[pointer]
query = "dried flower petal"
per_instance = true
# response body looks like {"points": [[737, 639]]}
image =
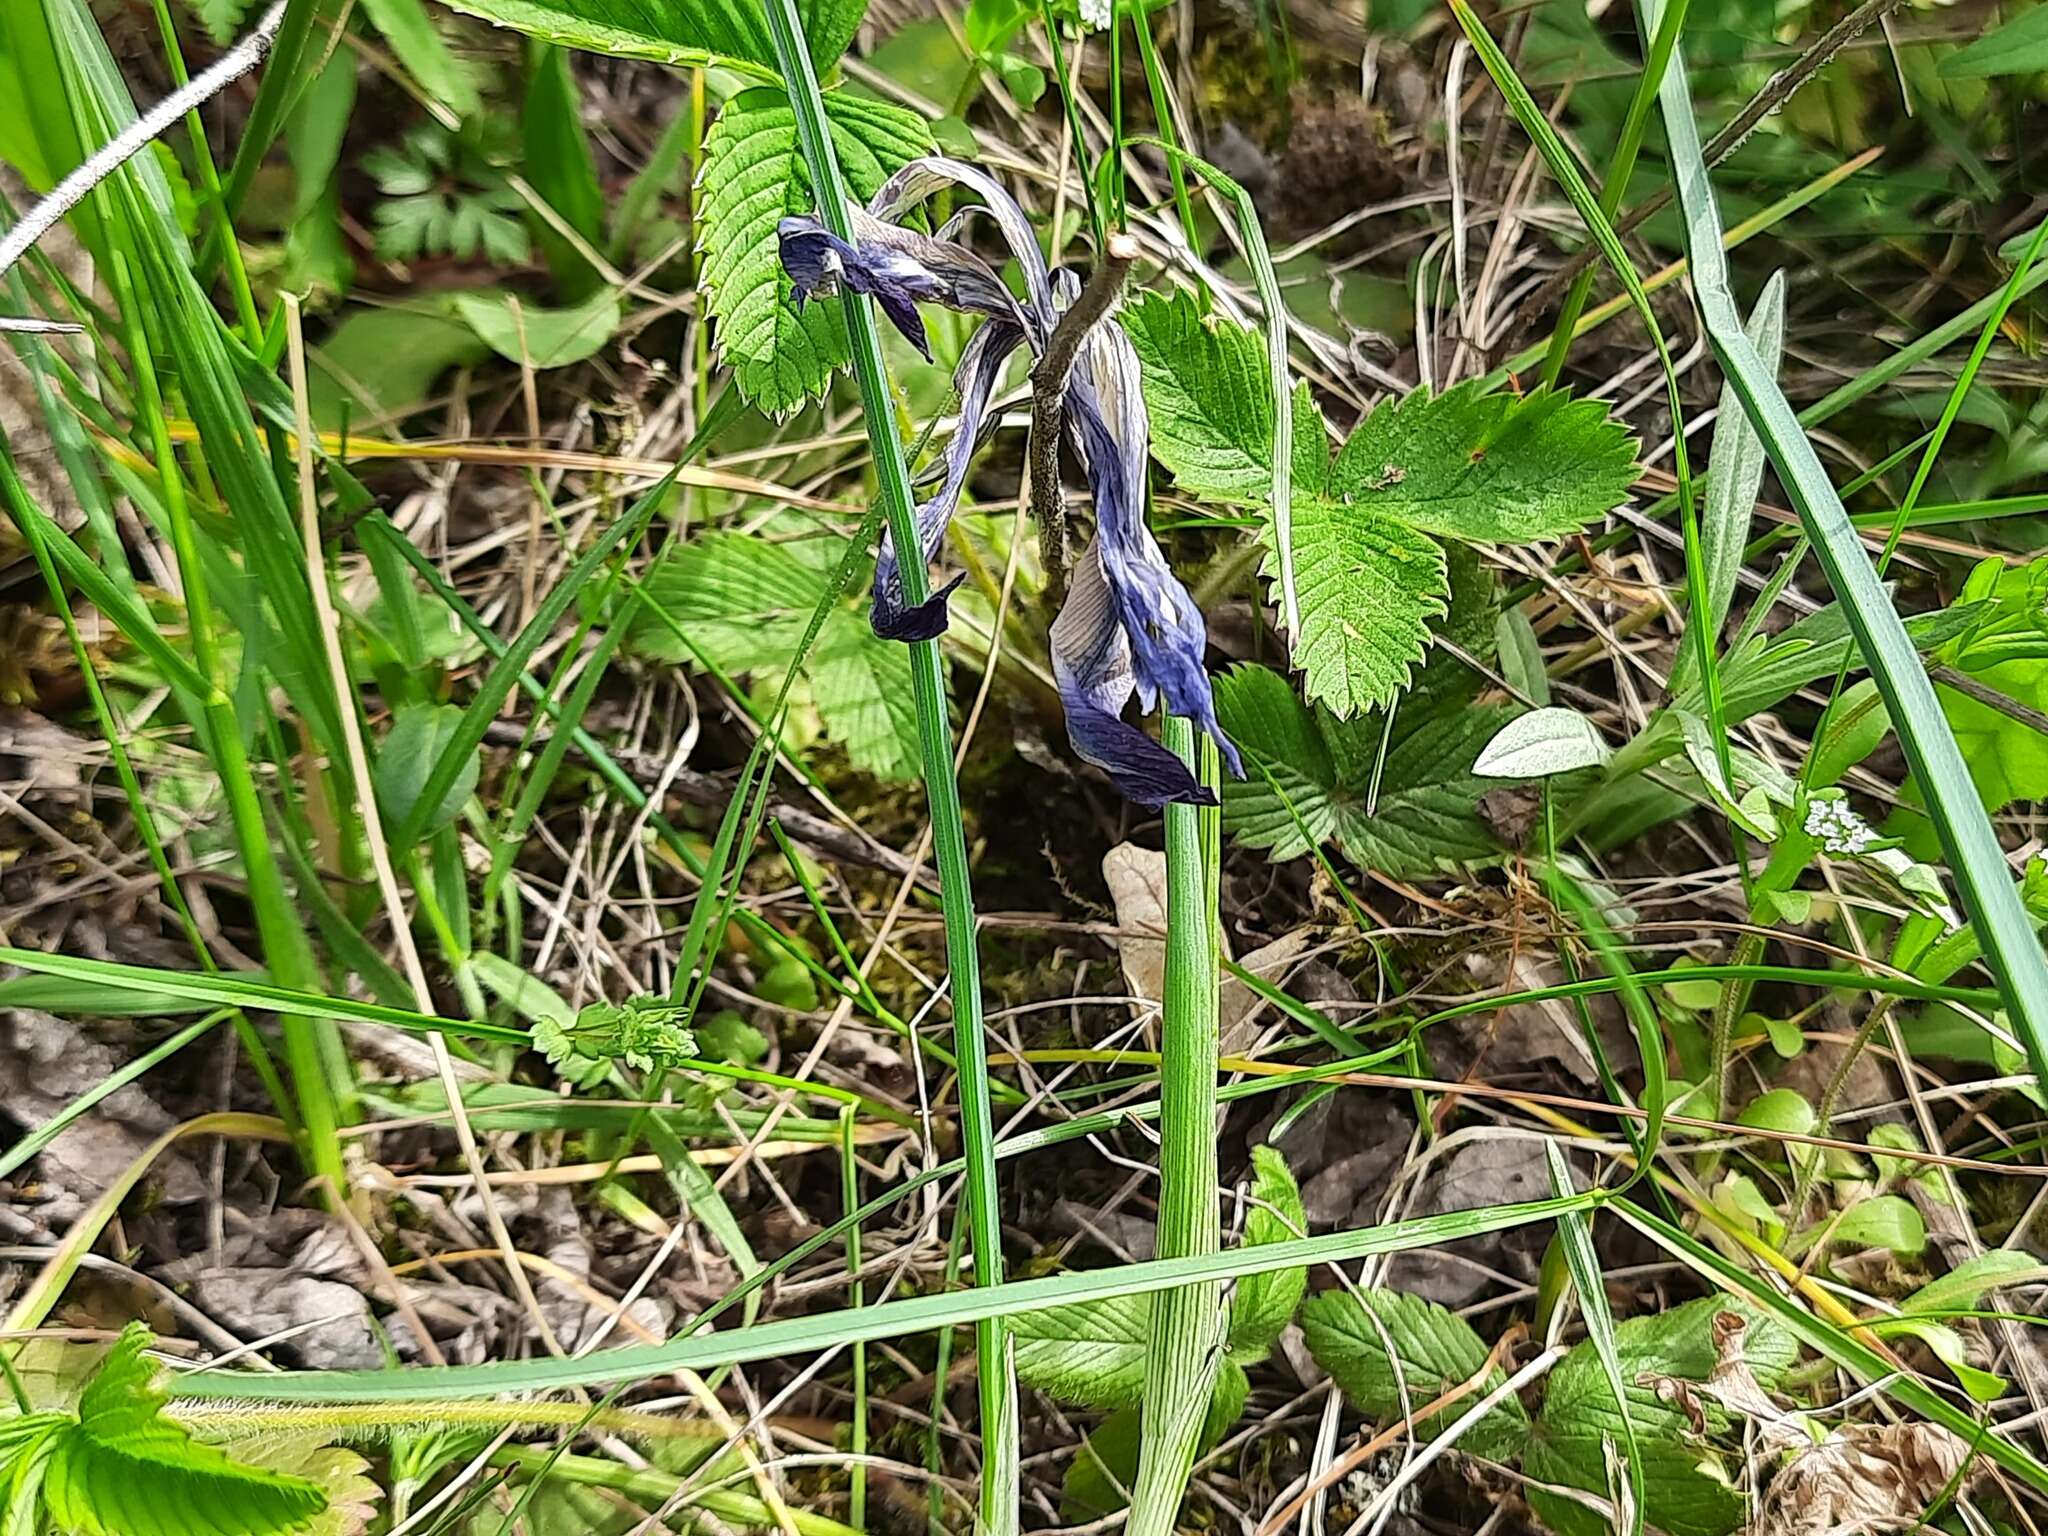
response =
{"points": [[980, 370], [898, 268], [1108, 426], [1129, 625], [1091, 666]]}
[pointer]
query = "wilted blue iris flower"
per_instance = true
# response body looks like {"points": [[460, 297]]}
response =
{"points": [[1128, 625]]}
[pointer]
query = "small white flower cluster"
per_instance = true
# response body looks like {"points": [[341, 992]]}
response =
{"points": [[1095, 14], [1840, 830]]}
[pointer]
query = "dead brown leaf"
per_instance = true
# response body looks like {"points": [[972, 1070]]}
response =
{"points": [[1863, 1477]]}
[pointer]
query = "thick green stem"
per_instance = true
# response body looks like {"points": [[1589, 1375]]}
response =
{"points": [[997, 1377], [1184, 1347]]}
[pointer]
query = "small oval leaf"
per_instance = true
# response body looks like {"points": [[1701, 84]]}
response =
{"points": [[1541, 743]]}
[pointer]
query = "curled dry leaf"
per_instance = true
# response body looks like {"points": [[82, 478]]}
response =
{"points": [[1734, 1386], [1863, 1477]]}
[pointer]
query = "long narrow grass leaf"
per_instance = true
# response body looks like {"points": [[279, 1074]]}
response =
{"points": [[1983, 879], [996, 1379]]}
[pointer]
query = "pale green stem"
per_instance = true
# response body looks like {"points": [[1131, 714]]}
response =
{"points": [[1184, 1346]]}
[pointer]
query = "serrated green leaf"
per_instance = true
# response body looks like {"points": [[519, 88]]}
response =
{"points": [[674, 31], [1422, 818], [1210, 396], [1349, 1332], [1488, 468], [1368, 587], [863, 692], [1263, 1305], [1686, 1491], [341, 1474], [1091, 1353], [124, 1469], [1280, 738], [753, 178], [1369, 574], [745, 603]]}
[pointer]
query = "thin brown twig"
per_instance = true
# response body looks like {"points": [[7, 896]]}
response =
{"points": [[1774, 93], [1049, 405], [1990, 697]]}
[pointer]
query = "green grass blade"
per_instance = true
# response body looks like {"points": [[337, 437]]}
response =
{"points": [[1736, 473], [1615, 185], [461, 749], [1582, 1259], [996, 1378], [1274, 308], [1983, 880], [892, 1319], [1566, 170], [1843, 1348]]}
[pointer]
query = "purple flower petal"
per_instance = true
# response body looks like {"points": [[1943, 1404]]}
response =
{"points": [[918, 180], [1091, 666], [1107, 424], [898, 268], [980, 370]]}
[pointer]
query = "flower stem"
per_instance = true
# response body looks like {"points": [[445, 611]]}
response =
{"points": [[1184, 1346], [997, 1377]]}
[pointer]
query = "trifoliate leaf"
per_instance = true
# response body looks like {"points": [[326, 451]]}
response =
{"points": [[124, 1469], [1210, 397], [1091, 1353], [1435, 1350], [1686, 1491], [744, 605], [1488, 469], [1369, 574], [1422, 818], [694, 32], [1263, 1305], [753, 178]]}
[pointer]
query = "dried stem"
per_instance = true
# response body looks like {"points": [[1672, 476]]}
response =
{"points": [[1049, 405]]}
